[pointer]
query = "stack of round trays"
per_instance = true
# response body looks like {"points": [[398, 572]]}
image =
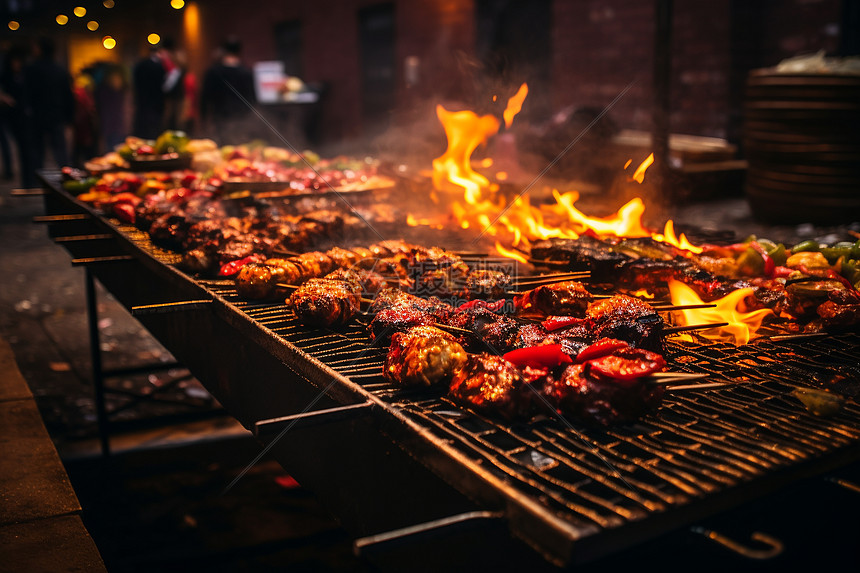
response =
{"points": [[802, 141]]}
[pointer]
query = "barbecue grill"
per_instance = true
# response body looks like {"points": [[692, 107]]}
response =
{"points": [[394, 462]]}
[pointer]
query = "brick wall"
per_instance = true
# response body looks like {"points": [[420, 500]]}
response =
{"points": [[599, 48]]}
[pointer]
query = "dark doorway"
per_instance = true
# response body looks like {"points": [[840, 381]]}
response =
{"points": [[288, 46], [376, 41], [514, 43]]}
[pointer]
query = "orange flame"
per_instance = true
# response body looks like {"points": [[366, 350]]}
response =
{"points": [[742, 325], [515, 104], [465, 131], [681, 242], [516, 255], [520, 223], [639, 174]]}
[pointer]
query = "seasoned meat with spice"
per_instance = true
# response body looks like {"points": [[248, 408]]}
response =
{"points": [[568, 298], [259, 281], [323, 302], [423, 356], [369, 282], [490, 384]]}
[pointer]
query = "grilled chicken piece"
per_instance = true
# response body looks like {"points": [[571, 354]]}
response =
{"points": [[568, 298], [324, 302], [489, 383], [423, 356], [314, 264], [585, 393], [259, 281]]}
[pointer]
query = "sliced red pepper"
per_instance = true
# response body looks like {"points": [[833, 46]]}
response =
{"points": [[491, 306], [769, 265], [627, 365], [781, 272], [602, 347], [543, 356], [124, 211], [233, 267], [558, 322]]}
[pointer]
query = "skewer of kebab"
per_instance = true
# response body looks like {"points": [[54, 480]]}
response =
{"points": [[259, 281], [603, 384]]}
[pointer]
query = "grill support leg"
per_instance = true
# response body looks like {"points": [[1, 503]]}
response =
{"points": [[96, 359]]}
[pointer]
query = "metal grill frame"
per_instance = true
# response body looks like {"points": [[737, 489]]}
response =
{"points": [[572, 494]]}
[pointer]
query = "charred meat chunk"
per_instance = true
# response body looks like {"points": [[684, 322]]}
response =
{"points": [[584, 253], [486, 285], [568, 298], [259, 281], [489, 329], [490, 384], [423, 356], [323, 302]]}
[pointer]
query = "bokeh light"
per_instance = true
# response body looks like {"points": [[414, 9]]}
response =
{"points": [[178, 4], [80, 11], [92, 25], [14, 25], [153, 38], [108, 42], [62, 19], [108, 3]]}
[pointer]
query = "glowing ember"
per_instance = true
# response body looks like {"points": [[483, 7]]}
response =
{"points": [[516, 255], [742, 325], [639, 175], [515, 104]]}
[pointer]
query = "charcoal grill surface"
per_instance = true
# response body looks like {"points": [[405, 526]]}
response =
{"points": [[572, 493]]}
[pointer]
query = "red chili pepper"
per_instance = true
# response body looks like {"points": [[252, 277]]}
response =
{"points": [[233, 267], [543, 356], [558, 322], [491, 306], [602, 347]]}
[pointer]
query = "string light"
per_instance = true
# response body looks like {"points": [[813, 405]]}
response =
{"points": [[108, 42], [62, 19]]}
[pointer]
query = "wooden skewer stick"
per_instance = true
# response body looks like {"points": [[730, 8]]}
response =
{"points": [[670, 307], [690, 375], [701, 386], [664, 381], [802, 336], [676, 329]]}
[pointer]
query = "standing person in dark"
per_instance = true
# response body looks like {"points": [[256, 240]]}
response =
{"points": [[148, 78], [49, 89], [225, 85], [20, 113]]}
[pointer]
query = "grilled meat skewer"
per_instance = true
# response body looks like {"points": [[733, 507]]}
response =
{"points": [[423, 356]]}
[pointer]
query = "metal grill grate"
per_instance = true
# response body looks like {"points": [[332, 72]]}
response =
{"points": [[699, 443]]}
